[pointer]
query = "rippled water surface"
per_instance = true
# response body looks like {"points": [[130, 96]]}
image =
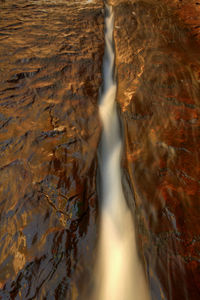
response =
{"points": [[50, 74]]}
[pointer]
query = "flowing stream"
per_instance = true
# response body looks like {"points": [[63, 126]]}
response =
{"points": [[49, 134], [119, 272]]}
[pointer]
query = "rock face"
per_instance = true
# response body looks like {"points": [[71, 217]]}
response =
{"points": [[158, 64], [50, 73], [188, 11]]}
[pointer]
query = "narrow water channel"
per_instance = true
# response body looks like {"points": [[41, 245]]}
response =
{"points": [[119, 272], [51, 60]]}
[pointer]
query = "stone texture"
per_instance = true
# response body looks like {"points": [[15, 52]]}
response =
{"points": [[188, 11], [158, 64], [50, 74]]}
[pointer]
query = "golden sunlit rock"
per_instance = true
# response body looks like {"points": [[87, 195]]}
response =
{"points": [[51, 55], [50, 74]]}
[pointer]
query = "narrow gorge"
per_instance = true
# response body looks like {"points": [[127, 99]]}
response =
{"points": [[119, 274], [99, 190]]}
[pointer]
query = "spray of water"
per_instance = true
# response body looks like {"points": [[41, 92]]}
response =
{"points": [[119, 275]]}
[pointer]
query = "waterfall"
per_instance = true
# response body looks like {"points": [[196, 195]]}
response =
{"points": [[119, 274]]}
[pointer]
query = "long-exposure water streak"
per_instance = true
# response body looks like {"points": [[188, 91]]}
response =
{"points": [[119, 272]]}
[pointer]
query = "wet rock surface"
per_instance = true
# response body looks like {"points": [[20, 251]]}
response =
{"points": [[188, 11], [50, 73], [158, 63]]}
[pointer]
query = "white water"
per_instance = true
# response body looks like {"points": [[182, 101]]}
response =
{"points": [[119, 275]]}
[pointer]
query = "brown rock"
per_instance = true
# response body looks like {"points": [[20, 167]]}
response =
{"points": [[50, 73], [158, 65], [188, 11]]}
